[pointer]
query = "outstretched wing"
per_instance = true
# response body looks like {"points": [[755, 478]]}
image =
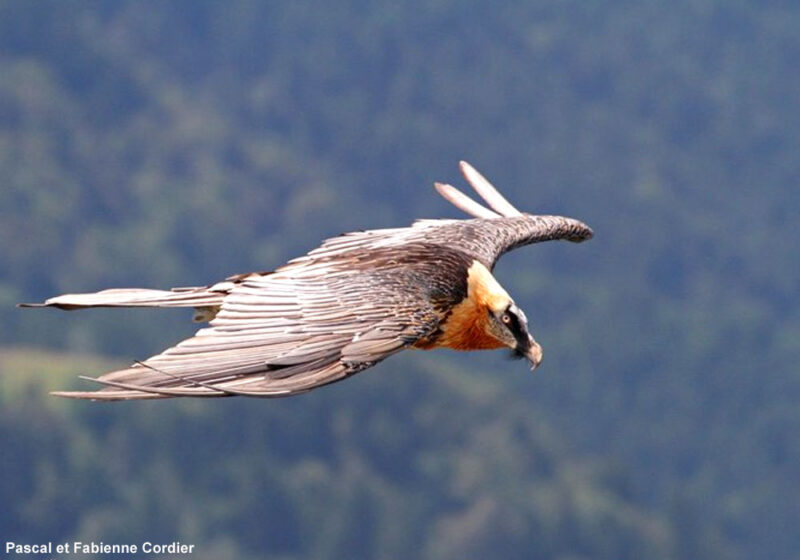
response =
{"points": [[493, 232], [285, 333], [503, 227]]}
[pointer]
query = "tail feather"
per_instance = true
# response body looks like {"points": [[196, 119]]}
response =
{"points": [[204, 298]]}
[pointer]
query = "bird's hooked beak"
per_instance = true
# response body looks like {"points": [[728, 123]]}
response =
{"points": [[532, 351], [524, 344]]}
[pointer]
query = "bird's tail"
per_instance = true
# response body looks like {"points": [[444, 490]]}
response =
{"points": [[205, 300]]}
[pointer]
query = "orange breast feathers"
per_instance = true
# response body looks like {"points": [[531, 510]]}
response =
{"points": [[466, 327]]}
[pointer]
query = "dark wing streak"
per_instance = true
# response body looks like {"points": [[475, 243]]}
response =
{"points": [[165, 392], [150, 392], [162, 392], [227, 392], [107, 394]]}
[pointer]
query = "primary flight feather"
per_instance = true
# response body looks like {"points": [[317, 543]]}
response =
{"points": [[343, 307]]}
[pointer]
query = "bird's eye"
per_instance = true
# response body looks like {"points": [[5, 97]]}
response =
{"points": [[506, 318]]}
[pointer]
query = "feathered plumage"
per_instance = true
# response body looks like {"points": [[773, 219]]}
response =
{"points": [[345, 306]]}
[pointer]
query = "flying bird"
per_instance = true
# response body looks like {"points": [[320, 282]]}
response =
{"points": [[343, 307]]}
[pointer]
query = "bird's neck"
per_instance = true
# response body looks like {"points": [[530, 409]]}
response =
{"points": [[466, 326]]}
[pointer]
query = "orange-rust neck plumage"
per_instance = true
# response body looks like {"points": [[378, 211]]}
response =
{"points": [[466, 325]]}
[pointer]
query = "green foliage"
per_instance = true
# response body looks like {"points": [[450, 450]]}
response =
{"points": [[386, 467], [178, 142]]}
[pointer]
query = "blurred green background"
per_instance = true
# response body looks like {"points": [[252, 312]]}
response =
{"points": [[161, 144]]}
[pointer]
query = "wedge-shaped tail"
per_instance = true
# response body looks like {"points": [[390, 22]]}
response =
{"points": [[205, 301]]}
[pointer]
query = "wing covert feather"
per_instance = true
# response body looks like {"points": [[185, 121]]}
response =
{"points": [[281, 334]]}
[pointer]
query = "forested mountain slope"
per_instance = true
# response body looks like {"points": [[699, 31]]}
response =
{"points": [[179, 142]]}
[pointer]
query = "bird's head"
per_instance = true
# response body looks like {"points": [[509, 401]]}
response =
{"points": [[507, 323], [500, 322]]}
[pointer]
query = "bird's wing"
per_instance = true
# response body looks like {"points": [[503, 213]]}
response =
{"points": [[281, 334], [501, 227], [488, 239], [493, 232]]}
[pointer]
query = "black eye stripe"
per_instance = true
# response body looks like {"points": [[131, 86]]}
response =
{"points": [[514, 324]]}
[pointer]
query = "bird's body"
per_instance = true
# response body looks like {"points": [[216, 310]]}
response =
{"points": [[343, 307]]}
